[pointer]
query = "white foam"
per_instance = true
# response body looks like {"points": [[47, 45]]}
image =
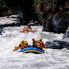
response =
{"points": [[53, 59]]}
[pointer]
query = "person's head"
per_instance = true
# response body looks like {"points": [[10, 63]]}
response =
{"points": [[38, 43], [24, 43]]}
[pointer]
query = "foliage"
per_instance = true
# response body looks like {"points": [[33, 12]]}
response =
{"points": [[2, 3], [39, 1]]}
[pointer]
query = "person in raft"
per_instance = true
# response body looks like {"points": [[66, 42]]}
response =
{"points": [[22, 45], [38, 43], [27, 29]]}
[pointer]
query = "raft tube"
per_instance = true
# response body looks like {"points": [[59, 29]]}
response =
{"points": [[32, 50]]}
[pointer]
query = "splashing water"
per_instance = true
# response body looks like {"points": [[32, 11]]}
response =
{"points": [[53, 59]]}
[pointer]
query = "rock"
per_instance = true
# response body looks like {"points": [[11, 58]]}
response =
{"points": [[66, 35], [48, 44], [53, 45], [1, 30], [59, 24], [62, 43], [33, 23], [59, 42]]}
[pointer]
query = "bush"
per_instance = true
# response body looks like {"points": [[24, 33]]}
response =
{"points": [[2, 3]]}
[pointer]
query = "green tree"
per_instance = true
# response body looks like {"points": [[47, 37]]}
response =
{"points": [[2, 3]]}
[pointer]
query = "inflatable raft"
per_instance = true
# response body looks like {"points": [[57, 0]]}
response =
{"points": [[32, 50]]}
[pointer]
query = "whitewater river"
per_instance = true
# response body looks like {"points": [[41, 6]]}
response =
{"points": [[53, 59]]}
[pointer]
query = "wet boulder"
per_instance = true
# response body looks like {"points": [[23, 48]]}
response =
{"points": [[1, 30], [62, 43], [53, 45], [59, 24], [34, 23], [66, 35]]}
